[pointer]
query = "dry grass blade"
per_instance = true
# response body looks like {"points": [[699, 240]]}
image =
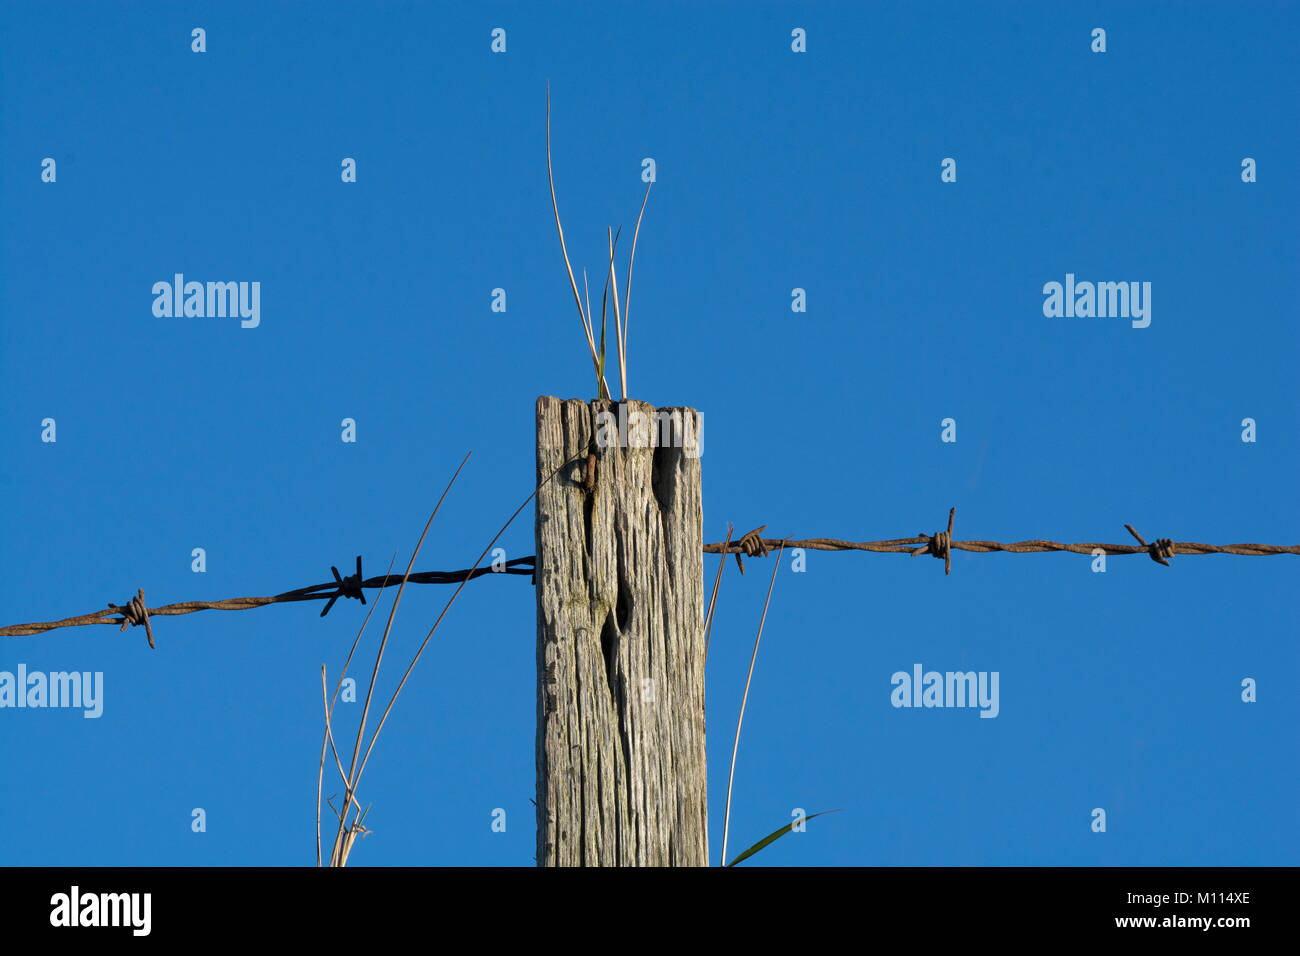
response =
{"points": [[713, 600], [353, 775], [611, 283], [445, 609], [726, 820], [328, 741], [320, 775], [586, 290], [627, 305], [586, 318]]}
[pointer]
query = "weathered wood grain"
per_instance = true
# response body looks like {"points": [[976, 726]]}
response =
{"points": [[620, 700]]}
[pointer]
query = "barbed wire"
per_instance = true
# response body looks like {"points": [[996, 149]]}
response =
{"points": [[940, 545], [353, 586]]}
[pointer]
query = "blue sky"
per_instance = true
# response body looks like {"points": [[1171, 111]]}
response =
{"points": [[775, 170]]}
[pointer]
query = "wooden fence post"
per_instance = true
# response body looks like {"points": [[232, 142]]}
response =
{"points": [[620, 644]]}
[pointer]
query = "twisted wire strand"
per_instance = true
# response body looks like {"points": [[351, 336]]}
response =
{"points": [[940, 545], [317, 592], [908, 546]]}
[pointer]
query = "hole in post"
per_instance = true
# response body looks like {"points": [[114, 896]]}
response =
{"points": [[608, 642], [623, 607], [588, 513]]}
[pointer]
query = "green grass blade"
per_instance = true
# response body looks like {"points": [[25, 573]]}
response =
{"points": [[604, 302], [735, 746], [776, 835], [602, 387]]}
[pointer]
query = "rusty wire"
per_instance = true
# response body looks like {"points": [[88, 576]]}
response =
{"points": [[940, 545], [134, 612]]}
